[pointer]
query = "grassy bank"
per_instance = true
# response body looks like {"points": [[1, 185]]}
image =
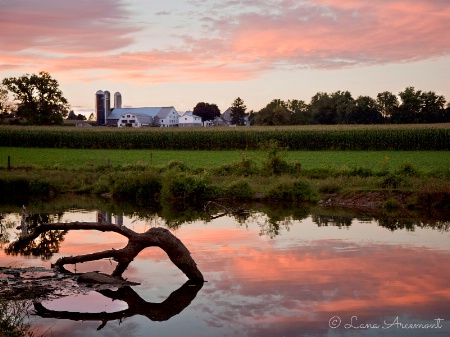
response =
{"points": [[368, 179]]}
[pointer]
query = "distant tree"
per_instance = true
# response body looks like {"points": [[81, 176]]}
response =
{"points": [[344, 105], [365, 111], [238, 112], [410, 108], [6, 107], [91, 117], [387, 104], [39, 99], [433, 108], [71, 115], [81, 117], [274, 113], [300, 114], [322, 109], [206, 111]]}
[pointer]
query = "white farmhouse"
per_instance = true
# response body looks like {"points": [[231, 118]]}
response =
{"points": [[189, 119]]}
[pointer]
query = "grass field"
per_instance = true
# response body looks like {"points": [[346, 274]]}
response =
{"points": [[424, 161]]}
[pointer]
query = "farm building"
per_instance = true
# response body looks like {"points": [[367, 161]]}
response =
{"points": [[138, 117], [189, 119]]}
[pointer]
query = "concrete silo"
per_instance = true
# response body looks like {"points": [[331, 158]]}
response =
{"points": [[107, 103], [100, 107], [117, 100]]}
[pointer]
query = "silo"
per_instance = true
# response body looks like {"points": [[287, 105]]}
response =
{"points": [[107, 103], [117, 100], [100, 107]]}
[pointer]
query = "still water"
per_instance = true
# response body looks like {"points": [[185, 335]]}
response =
{"points": [[310, 274]]}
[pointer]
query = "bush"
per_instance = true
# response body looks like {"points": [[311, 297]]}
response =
{"points": [[135, 186], [296, 191], [275, 162], [239, 190], [330, 188], [408, 170], [393, 181], [187, 187]]}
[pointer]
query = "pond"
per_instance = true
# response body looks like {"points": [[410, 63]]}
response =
{"points": [[272, 271]]}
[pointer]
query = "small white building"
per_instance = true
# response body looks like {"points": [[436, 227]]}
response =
{"points": [[189, 119], [134, 120]]}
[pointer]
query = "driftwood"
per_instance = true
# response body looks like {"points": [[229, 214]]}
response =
{"points": [[173, 305], [154, 237]]}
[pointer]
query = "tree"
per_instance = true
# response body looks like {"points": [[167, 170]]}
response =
{"points": [[71, 115], [433, 108], [6, 107], [238, 112], [81, 117], [322, 109], [387, 104], [206, 111], [344, 105], [39, 99], [365, 111], [274, 113], [300, 114], [410, 107]]}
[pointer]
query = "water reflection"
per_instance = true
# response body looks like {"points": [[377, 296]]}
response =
{"points": [[278, 271], [173, 305]]}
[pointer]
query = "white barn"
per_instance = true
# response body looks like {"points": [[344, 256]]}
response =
{"points": [[139, 117]]}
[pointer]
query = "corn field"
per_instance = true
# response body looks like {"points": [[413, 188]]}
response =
{"points": [[388, 137]]}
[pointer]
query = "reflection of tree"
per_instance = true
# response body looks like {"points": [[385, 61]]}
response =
{"points": [[13, 315], [4, 227], [173, 305], [330, 220], [45, 244]]}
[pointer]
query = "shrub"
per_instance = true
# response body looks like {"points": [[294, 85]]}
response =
{"points": [[393, 181], [177, 165], [187, 187], [275, 162], [135, 186], [239, 190], [330, 188], [390, 204], [295, 191], [408, 170]]}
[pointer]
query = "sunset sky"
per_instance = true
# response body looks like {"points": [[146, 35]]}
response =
{"points": [[178, 53]]}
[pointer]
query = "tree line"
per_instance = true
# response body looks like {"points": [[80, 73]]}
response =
{"points": [[410, 106], [38, 100]]}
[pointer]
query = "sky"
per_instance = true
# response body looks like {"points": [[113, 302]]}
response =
{"points": [[178, 53]]}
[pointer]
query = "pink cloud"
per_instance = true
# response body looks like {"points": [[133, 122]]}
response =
{"points": [[64, 27], [239, 45]]}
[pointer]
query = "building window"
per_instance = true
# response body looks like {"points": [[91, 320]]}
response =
{"points": [[125, 121], [132, 121]]}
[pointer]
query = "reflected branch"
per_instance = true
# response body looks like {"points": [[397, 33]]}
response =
{"points": [[173, 305]]}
